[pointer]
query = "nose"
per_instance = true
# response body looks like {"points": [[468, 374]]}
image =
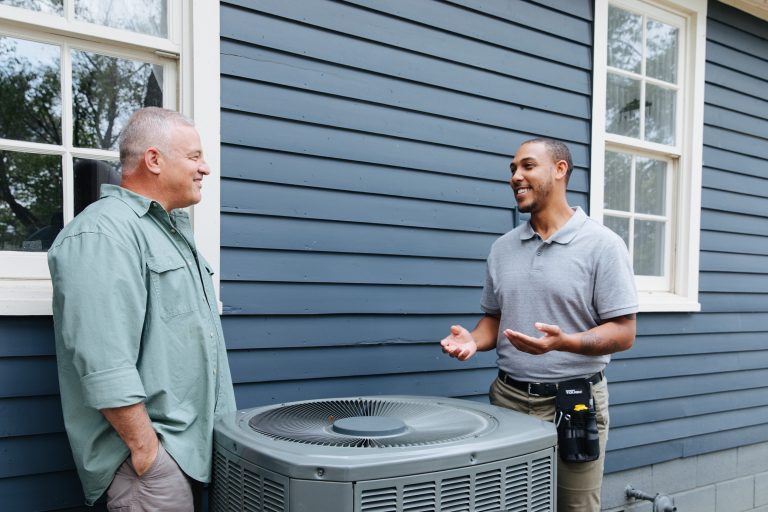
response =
{"points": [[204, 169]]}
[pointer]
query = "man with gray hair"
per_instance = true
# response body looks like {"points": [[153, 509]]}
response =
{"points": [[143, 369]]}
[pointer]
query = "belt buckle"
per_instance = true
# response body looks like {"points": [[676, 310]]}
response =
{"points": [[530, 390]]}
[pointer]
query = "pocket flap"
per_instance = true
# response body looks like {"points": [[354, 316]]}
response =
{"points": [[165, 262]]}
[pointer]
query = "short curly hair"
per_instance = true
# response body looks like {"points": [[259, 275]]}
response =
{"points": [[557, 151]]}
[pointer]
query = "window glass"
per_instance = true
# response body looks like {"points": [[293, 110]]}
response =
{"points": [[650, 186], [625, 39], [618, 169], [649, 248], [90, 175], [30, 91], [106, 91], [144, 16], [661, 51], [618, 225], [47, 6], [660, 114], [31, 206], [623, 106]]}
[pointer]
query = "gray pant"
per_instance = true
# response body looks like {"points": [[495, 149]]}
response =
{"points": [[163, 488]]}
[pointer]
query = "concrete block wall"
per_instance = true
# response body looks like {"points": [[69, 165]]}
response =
{"points": [[733, 480]]}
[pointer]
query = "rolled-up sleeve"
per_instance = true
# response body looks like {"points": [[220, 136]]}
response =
{"points": [[99, 306]]}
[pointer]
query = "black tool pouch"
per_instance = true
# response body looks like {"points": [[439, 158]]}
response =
{"points": [[576, 422]]}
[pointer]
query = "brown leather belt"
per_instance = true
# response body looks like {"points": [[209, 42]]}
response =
{"points": [[541, 388]]}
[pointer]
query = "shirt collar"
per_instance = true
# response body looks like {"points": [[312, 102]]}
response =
{"points": [[563, 235], [138, 203]]}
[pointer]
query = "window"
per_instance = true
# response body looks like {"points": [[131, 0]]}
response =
{"points": [[71, 73], [647, 141]]}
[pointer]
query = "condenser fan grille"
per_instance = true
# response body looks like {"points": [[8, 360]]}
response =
{"points": [[371, 423]]}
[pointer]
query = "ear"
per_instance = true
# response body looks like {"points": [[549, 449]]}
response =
{"points": [[153, 159], [561, 169]]}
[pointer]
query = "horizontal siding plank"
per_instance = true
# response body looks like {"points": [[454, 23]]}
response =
{"points": [[649, 324], [253, 366], [253, 164], [726, 262], [356, 53], [735, 100], [688, 364], [724, 76], [728, 282], [659, 345], [724, 440], [49, 491], [715, 158], [737, 20], [418, 39], [734, 243], [639, 456], [313, 299], [739, 40], [29, 376], [736, 122], [732, 222], [256, 231], [268, 199], [248, 332], [450, 383], [734, 182], [24, 416], [312, 267], [661, 388], [684, 428], [26, 336], [647, 413], [738, 60], [732, 202], [737, 142], [518, 36], [350, 113], [263, 64], [733, 302], [581, 8], [30, 455]]}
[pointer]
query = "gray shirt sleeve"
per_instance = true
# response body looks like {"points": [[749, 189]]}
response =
{"points": [[615, 291], [489, 302]]}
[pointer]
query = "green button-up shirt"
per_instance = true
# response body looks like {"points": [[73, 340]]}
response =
{"points": [[136, 320]]}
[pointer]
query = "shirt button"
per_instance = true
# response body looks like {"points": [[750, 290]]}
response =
{"points": [[538, 253], [211, 335]]}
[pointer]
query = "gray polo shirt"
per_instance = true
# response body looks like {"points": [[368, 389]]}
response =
{"points": [[578, 278]]}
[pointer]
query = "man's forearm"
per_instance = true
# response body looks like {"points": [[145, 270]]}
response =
{"points": [[485, 333], [134, 427], [615, 335]]}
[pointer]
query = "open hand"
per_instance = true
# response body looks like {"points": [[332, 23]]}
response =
{"points": [[459, 344], [553, 339]]}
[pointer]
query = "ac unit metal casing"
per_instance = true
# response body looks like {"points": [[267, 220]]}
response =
{"points": [[495, 460]]}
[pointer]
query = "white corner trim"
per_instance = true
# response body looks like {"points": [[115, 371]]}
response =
{"points": [[200, 98], [757, 8], [26, 297]]}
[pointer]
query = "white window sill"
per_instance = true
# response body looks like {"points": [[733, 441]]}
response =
{"points": [[666, 302], [26, 297]]}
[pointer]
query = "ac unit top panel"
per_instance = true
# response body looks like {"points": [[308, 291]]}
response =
{"points": [[350, 439]]}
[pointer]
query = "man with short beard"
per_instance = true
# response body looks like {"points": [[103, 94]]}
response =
{"points": [[559, 298]]}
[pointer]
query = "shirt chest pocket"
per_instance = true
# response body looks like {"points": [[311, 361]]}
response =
{"points": [[172, 285]]}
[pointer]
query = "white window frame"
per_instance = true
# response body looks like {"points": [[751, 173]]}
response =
{"points": [[25, 282], [683, 291]]}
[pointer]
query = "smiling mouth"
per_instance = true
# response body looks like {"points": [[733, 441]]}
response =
{"points": [[522, 191]]}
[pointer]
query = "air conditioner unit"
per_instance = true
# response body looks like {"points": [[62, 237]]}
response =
{"points": [[383, 454]]}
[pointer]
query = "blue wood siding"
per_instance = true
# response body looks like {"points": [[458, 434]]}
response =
{"points": [[695, 383], [365, 153]]}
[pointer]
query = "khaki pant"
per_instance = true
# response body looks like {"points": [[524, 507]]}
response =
{"points": [[162, 488], [578, 484]]}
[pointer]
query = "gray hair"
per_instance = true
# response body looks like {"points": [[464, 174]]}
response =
{"points": [[147, 127], [557, 151]]}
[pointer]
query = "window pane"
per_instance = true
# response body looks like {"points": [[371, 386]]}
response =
{"points": [[30, 91], [660, 114], [623, 106], [47, 6], [30, 201], [107, 90], [143, 16], [650, 186], [618, 225], [625, 39], [661, 51], [618, 169], [649, 248], [90, 175]]}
